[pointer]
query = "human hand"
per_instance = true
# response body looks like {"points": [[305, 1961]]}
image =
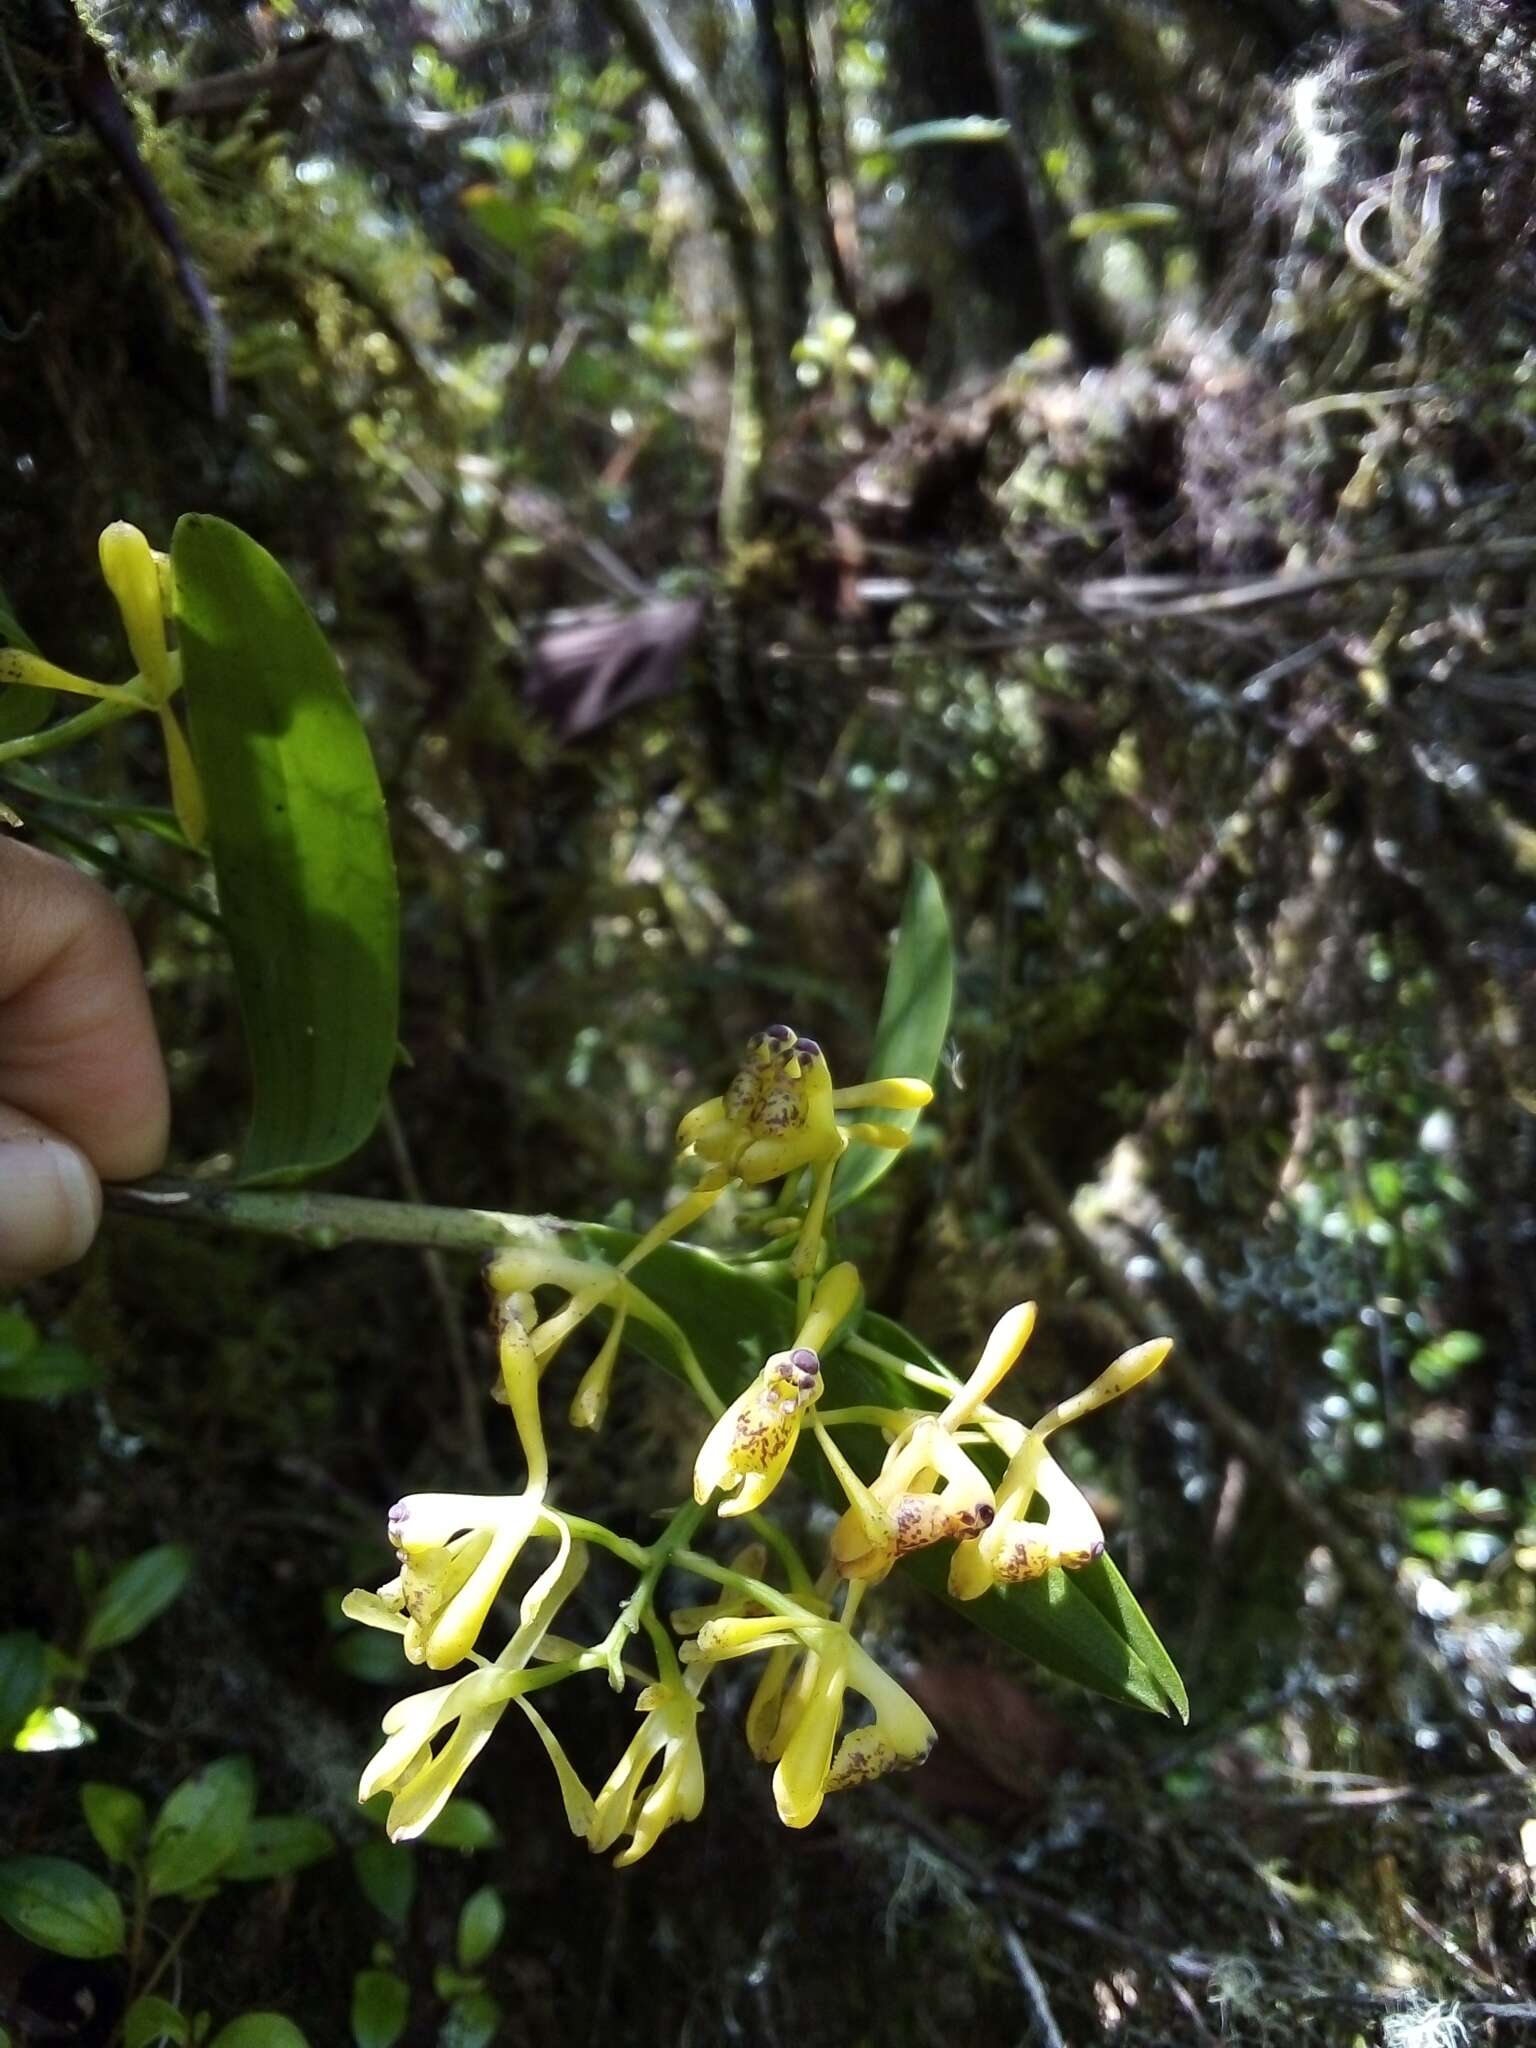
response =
{"points": [[82, 1085]]}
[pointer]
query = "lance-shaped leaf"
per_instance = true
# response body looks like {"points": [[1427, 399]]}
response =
{"points": [[914, 1021], [300, 847]]}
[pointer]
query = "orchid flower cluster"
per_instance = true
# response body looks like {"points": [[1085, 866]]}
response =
{"points": [[778, 1120]]}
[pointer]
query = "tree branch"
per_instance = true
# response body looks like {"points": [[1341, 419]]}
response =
{"points": [[675, 76]]}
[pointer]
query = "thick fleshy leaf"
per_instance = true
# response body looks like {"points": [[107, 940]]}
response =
{"points": [[60, 1906], [300, 847], [914, 1021], [1085, 1626], [135, 1595], [201, 1827]]}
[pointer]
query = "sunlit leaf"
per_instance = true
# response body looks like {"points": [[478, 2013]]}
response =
{"points": [[60, 1906], [300, 848]]}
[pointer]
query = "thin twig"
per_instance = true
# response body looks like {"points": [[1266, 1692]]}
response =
{"points": [[1033, 1983]]}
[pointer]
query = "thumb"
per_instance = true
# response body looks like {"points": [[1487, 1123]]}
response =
{"points": [[50, 1199]]}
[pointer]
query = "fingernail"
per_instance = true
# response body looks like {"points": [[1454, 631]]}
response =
{"points": [[50, 1204]]}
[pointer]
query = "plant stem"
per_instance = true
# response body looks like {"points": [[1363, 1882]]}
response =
{"points": [[80, 727], [322, 1222]]}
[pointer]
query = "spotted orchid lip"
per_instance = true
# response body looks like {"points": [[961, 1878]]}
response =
{"points": [[783, 1033], [807, 1049]]}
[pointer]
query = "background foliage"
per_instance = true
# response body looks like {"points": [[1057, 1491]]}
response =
{"points": [[1191, 647]]}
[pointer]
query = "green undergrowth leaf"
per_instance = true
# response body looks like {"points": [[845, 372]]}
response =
{"points": [[136, 1595], [201, 1826], [381, 2005], [60, 1906], [914, 1021], [300, 847], [1084, 1625], [278, 1844]]}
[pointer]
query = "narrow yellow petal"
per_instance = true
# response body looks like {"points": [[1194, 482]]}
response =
{"points": [[186, 784], [37, 674], [132, 575]]}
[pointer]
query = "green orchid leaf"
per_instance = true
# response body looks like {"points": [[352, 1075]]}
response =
{"points": [[914, 1022], [60, 1906], [301, 852], [1084, 1625], [21, 711]]}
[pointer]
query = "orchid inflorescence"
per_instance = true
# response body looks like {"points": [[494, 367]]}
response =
{"points": [[776, 1121]]}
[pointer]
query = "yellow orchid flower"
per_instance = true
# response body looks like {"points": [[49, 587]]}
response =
{"points": [[421, 1781], [929, 1489], [627, 1804], [139, 580], [810, 1705], [455, 1549], [778, 1116], [751, 1443], [1015, 1549]]}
